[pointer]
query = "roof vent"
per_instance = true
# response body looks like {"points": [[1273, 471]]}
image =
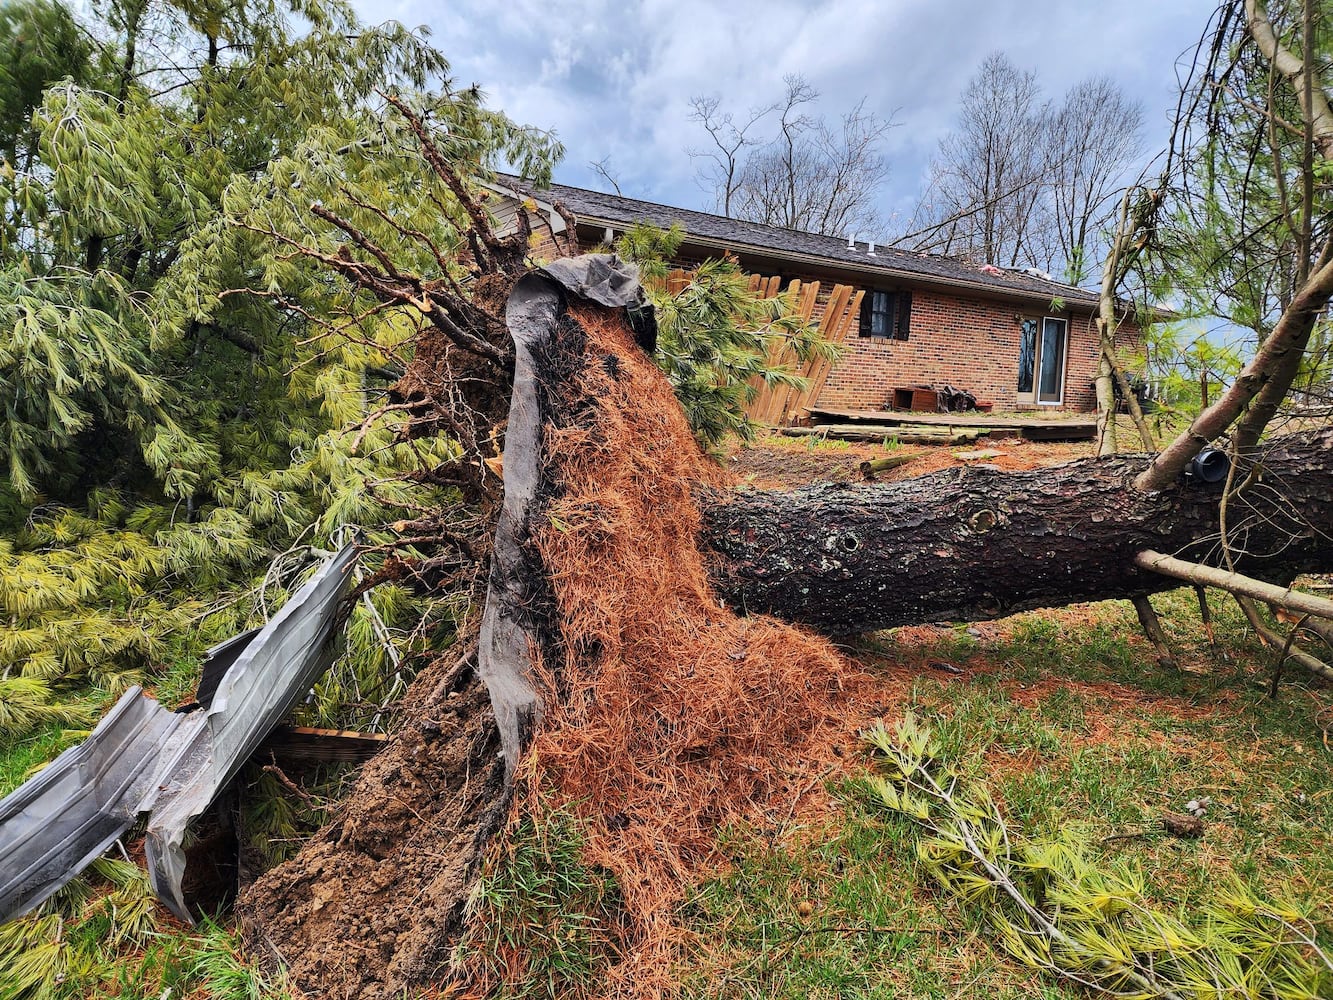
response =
{"points": [[872, 248], [851, 242]]}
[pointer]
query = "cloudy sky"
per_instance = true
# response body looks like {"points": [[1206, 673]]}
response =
{"points": [[613, 79]]}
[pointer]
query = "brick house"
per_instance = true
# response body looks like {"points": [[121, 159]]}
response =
{"points": [[1016, 339]]}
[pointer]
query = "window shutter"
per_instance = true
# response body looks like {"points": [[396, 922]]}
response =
{"points": [[904, 316], [867, 306]]}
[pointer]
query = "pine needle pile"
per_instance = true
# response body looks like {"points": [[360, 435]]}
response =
{"points": [[669, 717], [1055, 906]]}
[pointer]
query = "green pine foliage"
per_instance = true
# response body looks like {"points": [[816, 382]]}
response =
{"points": [[715, 336], [1056, 905], [185, 399], [101, 938]]}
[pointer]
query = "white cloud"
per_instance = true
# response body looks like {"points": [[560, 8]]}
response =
{"points": [[614, 78]]}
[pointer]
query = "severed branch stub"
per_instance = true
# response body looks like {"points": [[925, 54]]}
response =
{"points": [[869, 468], [1152, 628]]}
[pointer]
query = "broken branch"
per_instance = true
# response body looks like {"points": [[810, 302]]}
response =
{"points": [[1235, 583]]}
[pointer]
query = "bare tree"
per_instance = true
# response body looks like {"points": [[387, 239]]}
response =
{"points": [[603, 169], [810, 175], [731, 139], [1094, 138], [1021, 182], [987, 180]]}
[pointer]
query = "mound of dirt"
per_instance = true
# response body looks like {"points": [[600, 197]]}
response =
{"points": [[371, 906]]}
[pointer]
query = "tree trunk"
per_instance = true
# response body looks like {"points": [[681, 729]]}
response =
{"points": [[374, 904], [975, 543]]}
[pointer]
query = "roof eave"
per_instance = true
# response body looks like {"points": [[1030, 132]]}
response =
{"points": [[882, 270]]}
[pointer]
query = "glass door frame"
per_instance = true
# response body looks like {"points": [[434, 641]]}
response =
{"points": [[1032, 397]]}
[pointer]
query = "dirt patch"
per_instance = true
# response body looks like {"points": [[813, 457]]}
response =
{"points": [[777, 462], [772, 466], [372, 905]]}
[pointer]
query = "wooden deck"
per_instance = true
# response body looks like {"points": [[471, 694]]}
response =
{"points": [[1075, 427]]}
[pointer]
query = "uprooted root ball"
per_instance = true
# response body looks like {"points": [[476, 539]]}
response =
{"points": [[669, 717]]}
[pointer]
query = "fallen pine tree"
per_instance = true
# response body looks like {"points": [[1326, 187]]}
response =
{"points": [[974, 542], [628, 695], [615, 668]]}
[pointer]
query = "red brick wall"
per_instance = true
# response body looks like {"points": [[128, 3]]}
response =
{"points": [[969, 343]]}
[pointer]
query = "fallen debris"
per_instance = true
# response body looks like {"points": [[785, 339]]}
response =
{"points": [[1181, 825], [144, 757], [869, 468], [57, 823], [260, 688]]}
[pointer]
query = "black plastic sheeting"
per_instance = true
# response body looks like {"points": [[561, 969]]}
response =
{"points": [[507, 630], [144, 757]]}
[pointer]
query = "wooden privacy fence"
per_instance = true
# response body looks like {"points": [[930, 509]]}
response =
{"points": [[780, 405]]}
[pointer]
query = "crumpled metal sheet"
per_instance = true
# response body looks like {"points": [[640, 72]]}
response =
{"points": [[218, 662], [507, 630], [143, 756], [607, 280], [272, 673], [58, 822]]}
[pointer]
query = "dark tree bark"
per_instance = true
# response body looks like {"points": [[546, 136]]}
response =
{"points": [[976, 543]]}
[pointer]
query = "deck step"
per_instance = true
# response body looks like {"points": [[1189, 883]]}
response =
{"points": [[1079, 427]]}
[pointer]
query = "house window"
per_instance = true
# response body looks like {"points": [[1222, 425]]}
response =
{"points": [[886, 314]]}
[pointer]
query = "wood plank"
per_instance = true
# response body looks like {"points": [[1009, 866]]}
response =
{"points": [[307, 744], [789, 399], [1074, 428], [838, 333], [865, 432], [809, 295]]}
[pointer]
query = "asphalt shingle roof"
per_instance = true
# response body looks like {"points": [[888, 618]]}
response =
{"points": [[900, 264]]}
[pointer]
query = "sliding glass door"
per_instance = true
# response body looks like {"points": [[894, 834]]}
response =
{"points": [[1042, 345]]}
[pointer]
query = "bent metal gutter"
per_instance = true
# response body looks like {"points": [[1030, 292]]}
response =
{"points": [[57, 823], [270, 675], [144, 757]]}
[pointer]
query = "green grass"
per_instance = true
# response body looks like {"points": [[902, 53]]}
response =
{"points": [[543, 920], [870, 928], [820, 442], [22, 758], [1072, 722]]}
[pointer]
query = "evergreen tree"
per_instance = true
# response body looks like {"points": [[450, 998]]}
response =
{"points": [[176, 388]]}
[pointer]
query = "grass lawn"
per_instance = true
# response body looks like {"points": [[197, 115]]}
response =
{"points": [[1065, 714], [1070, 721]]}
